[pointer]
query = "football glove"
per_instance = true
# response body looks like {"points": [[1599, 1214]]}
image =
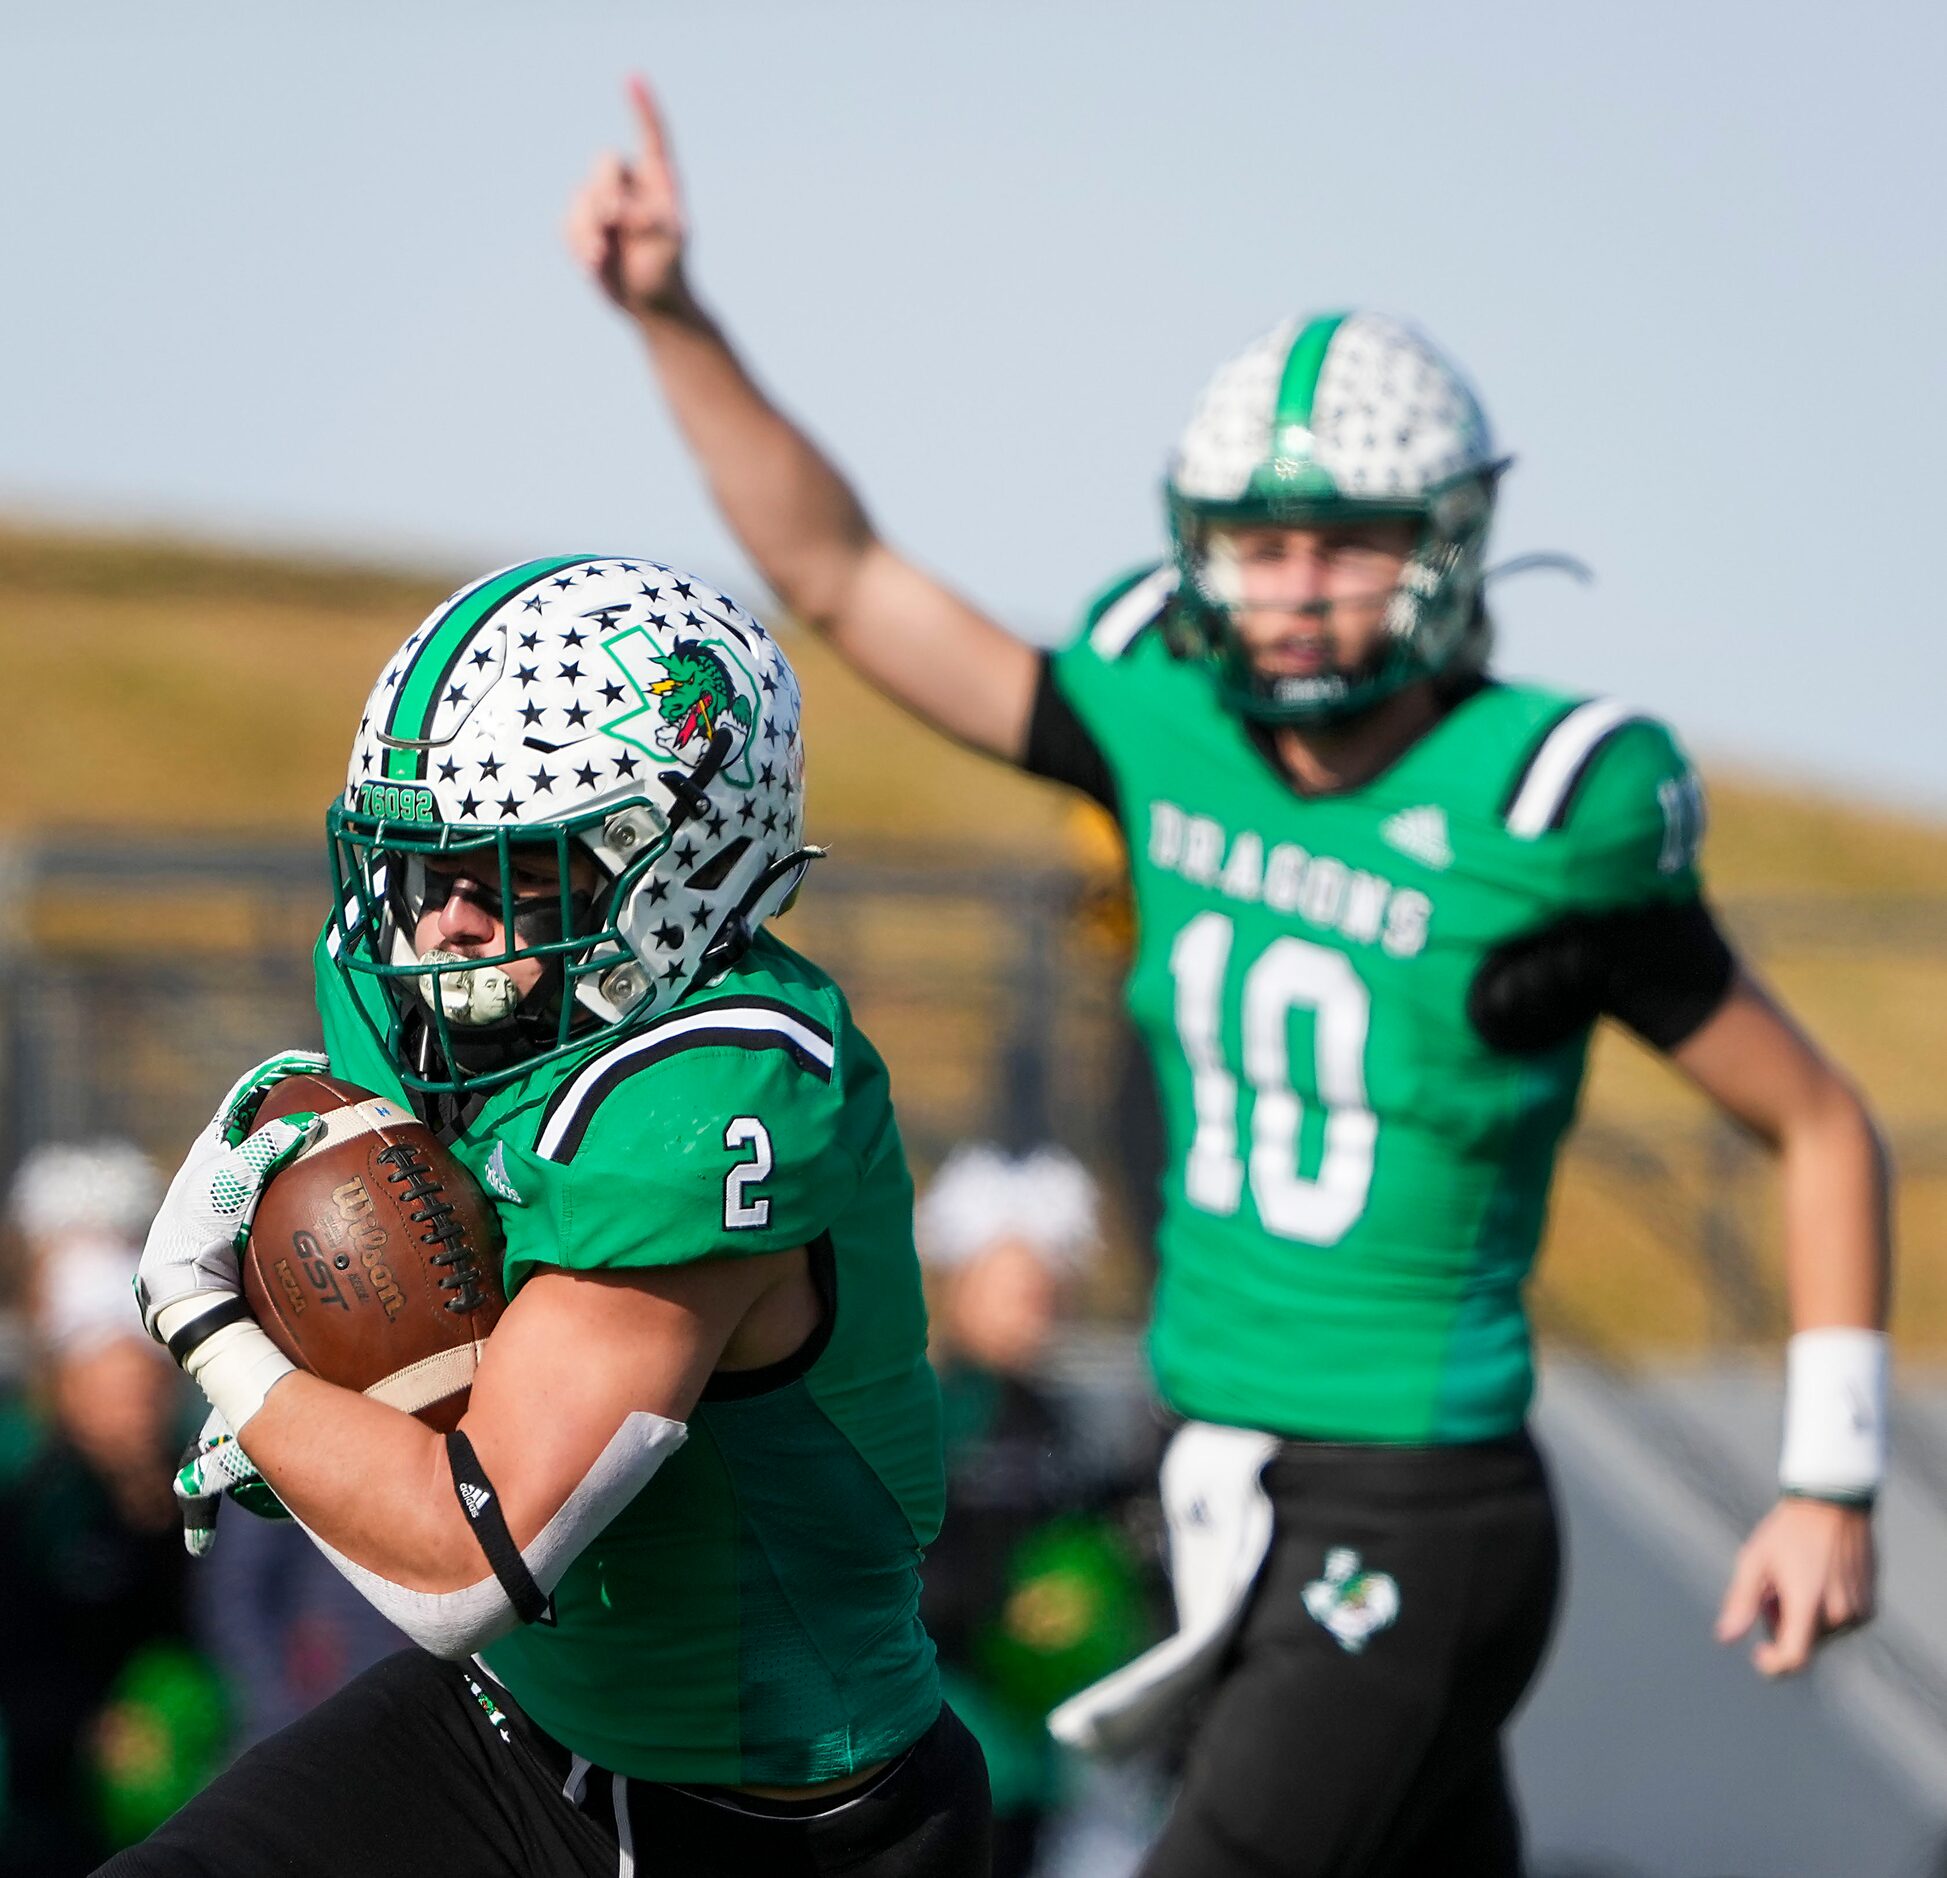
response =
{"points": [[238, 1109], [188, 1284], [214, 1466], [189, 1265]]}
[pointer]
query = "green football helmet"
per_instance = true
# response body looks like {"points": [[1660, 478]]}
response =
{"points": [[1343, 417]]}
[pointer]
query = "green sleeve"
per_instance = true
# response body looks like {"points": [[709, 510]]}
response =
{"points": [[1635, 827], [714, 1153]]}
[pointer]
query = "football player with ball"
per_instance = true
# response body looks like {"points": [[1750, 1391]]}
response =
{"points": [[663, 1570], [1382, 897]]}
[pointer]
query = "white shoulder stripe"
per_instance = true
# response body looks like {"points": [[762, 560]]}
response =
{"points": [[1556, 765], [1113, 632], [757, 1020]]}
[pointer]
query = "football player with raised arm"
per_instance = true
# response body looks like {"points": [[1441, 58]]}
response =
{"points": [[1383, 897], [664, 1577]]}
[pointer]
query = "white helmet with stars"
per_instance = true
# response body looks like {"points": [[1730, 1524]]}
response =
{"points": [[579, 705], [1333, 419]]}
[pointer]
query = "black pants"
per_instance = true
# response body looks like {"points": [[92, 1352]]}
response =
{"points": [[1358, 1735], [408, 1771]]}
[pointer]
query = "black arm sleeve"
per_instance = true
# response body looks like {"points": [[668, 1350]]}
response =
{"points": [[1060, 747], [1661, 969]]}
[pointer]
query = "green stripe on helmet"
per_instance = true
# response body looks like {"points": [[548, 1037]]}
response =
{"points": [[1299, 386], [418, 695]]}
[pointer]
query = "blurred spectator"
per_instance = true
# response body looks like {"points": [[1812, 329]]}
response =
{"points": [[1032, 1589], [110, 1719]]}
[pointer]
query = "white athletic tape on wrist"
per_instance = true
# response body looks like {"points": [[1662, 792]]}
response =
{"points": [[454, 1624], [236, 1369], [235, 1366], [1836, 1383]]}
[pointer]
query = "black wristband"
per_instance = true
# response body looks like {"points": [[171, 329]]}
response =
{"points": [[1862, 1502], [481, 1505], [200, 1329]]}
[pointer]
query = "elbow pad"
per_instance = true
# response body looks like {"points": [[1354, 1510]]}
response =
{"points": [[454, 1624]]}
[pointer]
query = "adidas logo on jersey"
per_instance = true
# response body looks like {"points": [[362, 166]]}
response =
{"points": [[476, 1498], [497, 1177], [1420, 833]]}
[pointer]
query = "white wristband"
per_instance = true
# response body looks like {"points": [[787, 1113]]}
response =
{"points": [[236, 1368], [1835, 1414]]}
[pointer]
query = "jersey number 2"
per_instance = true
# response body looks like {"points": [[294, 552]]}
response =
{"points": [[1289, 975], [747, 1132]]}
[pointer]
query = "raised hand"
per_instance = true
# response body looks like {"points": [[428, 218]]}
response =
{"points": [[625, 224]]}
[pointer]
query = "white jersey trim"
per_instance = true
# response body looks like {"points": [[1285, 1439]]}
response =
{"points": [[764, 1025], [1115, 631], [1557, 765]]}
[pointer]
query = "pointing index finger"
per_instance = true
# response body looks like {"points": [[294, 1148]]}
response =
{"points": [[655, 148]]}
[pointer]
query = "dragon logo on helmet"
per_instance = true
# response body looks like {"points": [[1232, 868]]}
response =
{"points": [[694, 690], [696, 694]]}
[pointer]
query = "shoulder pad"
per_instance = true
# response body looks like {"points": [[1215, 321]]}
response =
{"points": [[755, 1024], [1544, 786], [1117, 620]]}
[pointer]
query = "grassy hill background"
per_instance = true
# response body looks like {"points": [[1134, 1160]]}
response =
{"points": [[163, 688]]}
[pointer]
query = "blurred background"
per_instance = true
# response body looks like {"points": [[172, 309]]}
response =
{"points": [[293, 347]]}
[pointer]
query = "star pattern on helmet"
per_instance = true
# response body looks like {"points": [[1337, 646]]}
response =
{"points": [[536, 720]]}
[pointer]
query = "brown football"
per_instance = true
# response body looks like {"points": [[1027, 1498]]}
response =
{"points": [[374, 1258]]}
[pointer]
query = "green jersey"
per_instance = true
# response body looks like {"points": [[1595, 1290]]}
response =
{"points": [[1356, 1182], [752, 1617]]}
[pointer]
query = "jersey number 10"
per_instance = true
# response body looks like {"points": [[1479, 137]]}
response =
{"points": [[1289, 975]]}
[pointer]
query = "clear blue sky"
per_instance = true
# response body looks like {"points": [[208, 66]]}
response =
{"points": [[300, 280]]}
